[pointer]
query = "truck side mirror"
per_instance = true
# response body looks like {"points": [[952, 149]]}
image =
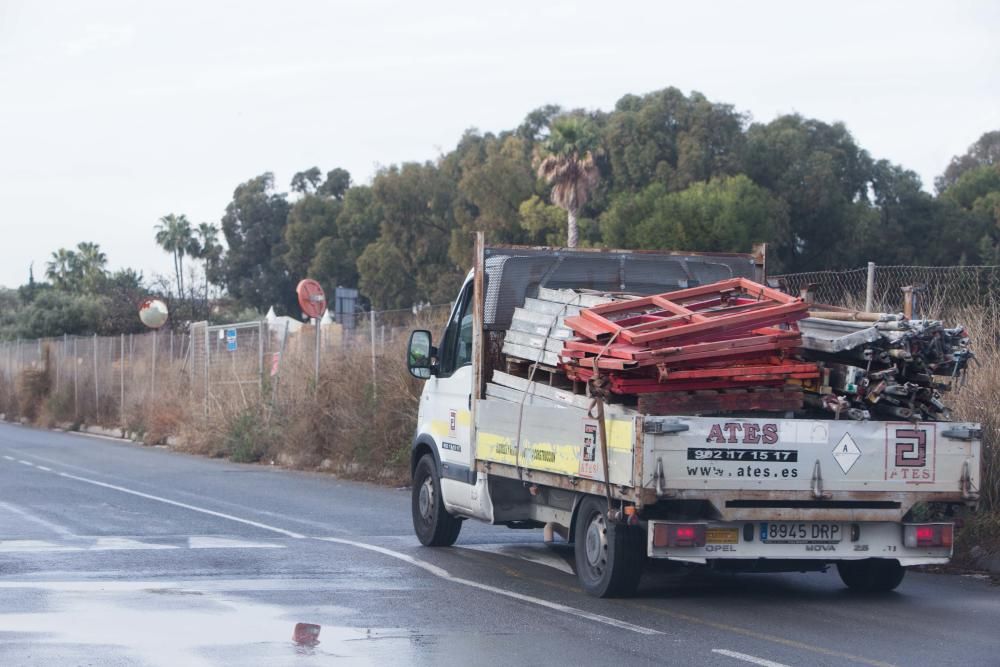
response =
{"points": [[419, 353]]}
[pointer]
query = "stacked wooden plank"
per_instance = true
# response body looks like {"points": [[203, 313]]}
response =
{"points": [[725, 335]]}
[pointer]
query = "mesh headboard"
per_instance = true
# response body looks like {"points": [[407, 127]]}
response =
{"points": [[513, 274]]}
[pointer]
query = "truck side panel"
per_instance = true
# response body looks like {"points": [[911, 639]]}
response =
{"points": [[563, 441]]}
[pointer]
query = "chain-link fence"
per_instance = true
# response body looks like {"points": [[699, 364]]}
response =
{"points": [[939, 287], [88, 376], [109, 380]]}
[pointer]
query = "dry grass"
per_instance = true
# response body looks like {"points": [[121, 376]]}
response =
{"points": [[979, 399], [33, 385]]}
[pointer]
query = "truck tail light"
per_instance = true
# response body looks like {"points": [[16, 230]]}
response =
{"points": [[928, 535], [679, 535]]}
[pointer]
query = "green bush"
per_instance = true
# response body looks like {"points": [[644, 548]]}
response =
{"points": [[247, 437]]}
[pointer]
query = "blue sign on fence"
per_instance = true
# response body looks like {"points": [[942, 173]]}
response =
{"points": [[230, 340]]}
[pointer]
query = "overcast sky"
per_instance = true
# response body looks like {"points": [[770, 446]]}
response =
{"points": [[113, 114]]}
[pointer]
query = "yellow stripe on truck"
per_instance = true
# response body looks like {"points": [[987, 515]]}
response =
{"points": [[557, 457]]}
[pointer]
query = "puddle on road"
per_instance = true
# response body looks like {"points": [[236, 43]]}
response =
{"points": [[183, 626]]}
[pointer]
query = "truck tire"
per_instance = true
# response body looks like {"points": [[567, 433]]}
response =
{"points": [[609, 556], [871, 575], [431, 522]]}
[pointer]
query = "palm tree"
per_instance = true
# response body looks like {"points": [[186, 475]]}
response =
{"points": [[208, 249], [173, 234], [91, 263], [63, 268], [567, 164]]}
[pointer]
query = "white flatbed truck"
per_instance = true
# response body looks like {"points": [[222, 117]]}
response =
{"points": [[755, 493]]}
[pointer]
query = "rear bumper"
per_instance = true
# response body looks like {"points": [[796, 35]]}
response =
{"points": [[824, 541]]}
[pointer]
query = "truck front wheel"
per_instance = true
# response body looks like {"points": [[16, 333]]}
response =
{"points": [[609, 556], [431, 522], [871, 575]]}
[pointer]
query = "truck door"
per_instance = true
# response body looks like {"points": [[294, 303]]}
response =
{"points": [[451, 389]]}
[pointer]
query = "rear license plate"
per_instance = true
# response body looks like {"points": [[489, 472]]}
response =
{"points": [[806, 532]]}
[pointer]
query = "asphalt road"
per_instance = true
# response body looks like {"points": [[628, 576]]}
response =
{"points": [[115, 554]]}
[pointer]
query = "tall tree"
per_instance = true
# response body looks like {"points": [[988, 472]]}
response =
{"points": [[823, 176], [336, 184], [254, 226], [566, 162], [92, 263], [417, 222], [63, 269], [306, 182], [174, 235], [985, 152], [207, 248]]}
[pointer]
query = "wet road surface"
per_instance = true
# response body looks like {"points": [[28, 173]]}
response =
{"points": [[115, 554]]}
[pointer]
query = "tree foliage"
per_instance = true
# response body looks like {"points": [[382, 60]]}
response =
{"points": [[985, 152], [254, 270], [660, 170], [727, 214]]}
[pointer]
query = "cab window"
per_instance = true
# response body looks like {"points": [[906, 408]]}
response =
{"points": [[456, 346]]}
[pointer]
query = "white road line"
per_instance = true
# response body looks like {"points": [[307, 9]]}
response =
{"points": [[27, 463], [212, 542], [221, 515], [44, 468], [56, 528], [9, 458], [31, 546], [444, 574], [532, 553], [428, 567], [126, 544], [754, 660]]}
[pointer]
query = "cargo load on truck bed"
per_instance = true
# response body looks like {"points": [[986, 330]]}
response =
{"points": [[737, 346]]}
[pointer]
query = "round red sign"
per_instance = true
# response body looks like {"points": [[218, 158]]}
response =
{"points": [[311, 298]]}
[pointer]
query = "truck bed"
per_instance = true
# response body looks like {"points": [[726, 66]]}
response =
{"points": [[744, 467]]}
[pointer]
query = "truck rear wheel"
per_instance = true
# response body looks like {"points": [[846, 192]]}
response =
{"points": [[871, 575], [431, 522], [609, 556]]}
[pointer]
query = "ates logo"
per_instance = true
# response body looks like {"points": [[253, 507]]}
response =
{"points": [[909, 449], [747, 433]]}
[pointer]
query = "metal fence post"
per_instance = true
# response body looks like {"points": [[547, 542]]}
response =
{"points": [[54, 349], [870, 288], [152, 380], [319, 338], [281, 362], [76, 381], [371, 321], [260, 357], [207, 361], [97, 391], [122, 379]]}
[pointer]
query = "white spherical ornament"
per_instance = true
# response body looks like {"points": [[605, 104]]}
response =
{"points": [[153, 313]]}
